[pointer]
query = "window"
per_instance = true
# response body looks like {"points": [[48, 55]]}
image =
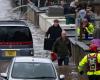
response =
{"points": [[15, 34], [30, 70]]}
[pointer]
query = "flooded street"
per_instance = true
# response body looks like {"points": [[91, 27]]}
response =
{"points": [[38, 35], [38, 39], [5, 7], [69, 71]]}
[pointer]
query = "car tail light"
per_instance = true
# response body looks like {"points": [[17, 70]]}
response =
{"points": [[16, 43]]}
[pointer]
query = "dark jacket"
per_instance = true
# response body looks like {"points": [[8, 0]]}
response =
{"points": [[62, 48], [54, 32]]}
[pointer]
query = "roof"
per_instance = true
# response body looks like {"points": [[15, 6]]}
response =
{"points": [[32, 59], [12, 23]]}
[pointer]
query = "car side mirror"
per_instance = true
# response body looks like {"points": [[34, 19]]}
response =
{"points": [[62, 77], [4, 75]]}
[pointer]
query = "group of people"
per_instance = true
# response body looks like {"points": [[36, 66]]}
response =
{"points": [[60, 43], [62, 48], [85, 20], [90, 62], [85, 17]]}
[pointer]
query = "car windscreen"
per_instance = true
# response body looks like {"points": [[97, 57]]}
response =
{"points": [[30, 70], [14, 34]]}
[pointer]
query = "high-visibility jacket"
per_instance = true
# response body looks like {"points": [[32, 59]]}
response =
{"points": [[84, 61], [89, 29]]}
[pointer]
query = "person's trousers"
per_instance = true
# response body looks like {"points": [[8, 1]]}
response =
{"points": [[64, 59], [86, 35], [94, 77]]}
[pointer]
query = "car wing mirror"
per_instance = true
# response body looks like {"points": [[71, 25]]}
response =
{"points": [[4, 75], [62, 77]]}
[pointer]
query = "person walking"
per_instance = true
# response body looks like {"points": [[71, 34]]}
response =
{"points": [[53, 33], [92, 63], [62, 48]]}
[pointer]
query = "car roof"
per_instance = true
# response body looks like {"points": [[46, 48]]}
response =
{"points": [[32, 59], [13, 23]]}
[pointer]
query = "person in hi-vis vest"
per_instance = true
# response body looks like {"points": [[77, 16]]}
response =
{"points": [[92, 63], [87, 28]]}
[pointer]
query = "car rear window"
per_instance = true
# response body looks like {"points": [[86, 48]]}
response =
{"points": [[15, 34]]}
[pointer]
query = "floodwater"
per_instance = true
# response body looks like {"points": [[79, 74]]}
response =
{"points": [[69, 71]]}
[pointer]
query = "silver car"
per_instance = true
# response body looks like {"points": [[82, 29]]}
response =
{"points": [[15, 39], [30, 68]]}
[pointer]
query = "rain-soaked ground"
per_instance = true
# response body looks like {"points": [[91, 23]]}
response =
{"points": [[69, 71]]}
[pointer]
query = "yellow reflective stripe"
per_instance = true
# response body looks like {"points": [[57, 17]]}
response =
{"points": [[90, 28], [78, 30], [93, 73], [98, 57], [82, 63]]}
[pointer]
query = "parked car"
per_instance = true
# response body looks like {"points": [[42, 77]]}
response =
{"points": [[15, 39], [31, 68]]}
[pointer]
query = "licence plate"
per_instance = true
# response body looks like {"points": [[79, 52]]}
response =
{"points": [[10, 53]]}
